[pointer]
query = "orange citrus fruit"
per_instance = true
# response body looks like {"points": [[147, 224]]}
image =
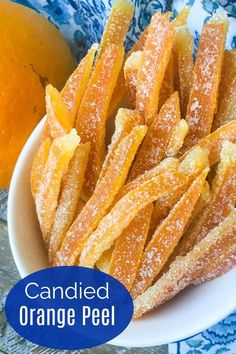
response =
{"points": [[33, 53]]}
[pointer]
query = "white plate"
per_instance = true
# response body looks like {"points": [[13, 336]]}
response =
{"points": [[189, 313]]}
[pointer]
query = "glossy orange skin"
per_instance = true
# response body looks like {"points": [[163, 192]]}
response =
{"points": [[30, 48]]}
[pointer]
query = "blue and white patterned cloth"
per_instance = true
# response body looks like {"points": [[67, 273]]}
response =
{"points": [[219, 339], [81, 22]]}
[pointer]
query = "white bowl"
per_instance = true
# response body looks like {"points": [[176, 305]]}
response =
{"points": [[191, 312]]}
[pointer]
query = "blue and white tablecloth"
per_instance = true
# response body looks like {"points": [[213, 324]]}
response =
{"points": [[81, 23]]}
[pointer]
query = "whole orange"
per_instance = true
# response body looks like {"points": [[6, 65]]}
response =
{"points": [[32, 54]]}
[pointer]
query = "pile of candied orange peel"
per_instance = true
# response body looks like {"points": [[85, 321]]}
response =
{"points": [[155, 209]]}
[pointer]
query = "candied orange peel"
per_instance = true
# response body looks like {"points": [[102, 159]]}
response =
{"points": [[183, 269], [226, 98], [117, 24], [102, 198], [183, 51], [131, 68], [213, 142], [58, 116], [129, 247], [125, 121], [92, 113], [219, 266], [104, 261], [69, 197], [75, 86], [46, 199], [206, 78], [39, 164], [192, 165], [155, 58], [182, 17], [158, 137], [124, 211], [148, 195], [167, 236], [220, 204], [177, 139]]}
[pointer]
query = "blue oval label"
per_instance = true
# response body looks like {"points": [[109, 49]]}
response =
{"points": [[69, 308]]}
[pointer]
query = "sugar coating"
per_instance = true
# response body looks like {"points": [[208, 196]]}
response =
{"points": [[184, 269], [61, 152], [92, 114], [69, 196], [131, 67], [124, 211], [177, 138], [125, 120], [155, 58], [221, 203], [207, 69], [117, 24], [75, 86], [158, 137], [58, 115], [220, 265], [183, 49], [101, 199], [166, 237], [129, 247], [39, 164]]}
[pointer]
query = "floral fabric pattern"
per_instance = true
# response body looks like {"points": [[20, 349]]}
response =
{"points": [[82, 21], [219, 339]]}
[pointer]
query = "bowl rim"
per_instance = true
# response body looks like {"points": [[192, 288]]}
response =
{"points": [[10, 204], [121, 340]]}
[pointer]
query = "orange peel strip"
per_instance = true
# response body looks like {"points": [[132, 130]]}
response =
{"points": [[102, 198], [166, 237], [117, 25], [75, 86], [228, 71], [182, 17], [125, 121], [220, 205], [61, 152], [167, 164], [183, 52], [39, 164], [183, 269], [192, 165], [58, 116], [120, 93], [129, 248], [227, 106], [92, 113], [104, 261], [155, 58], [221, 265], [68, 201], [120, 96], [168, 83], [131, 67], [207, 71], [139, 45], [124, 211], [177, 138], [227, 99], [158, 137], [203, 200], [46, 133], [214, 141]]}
